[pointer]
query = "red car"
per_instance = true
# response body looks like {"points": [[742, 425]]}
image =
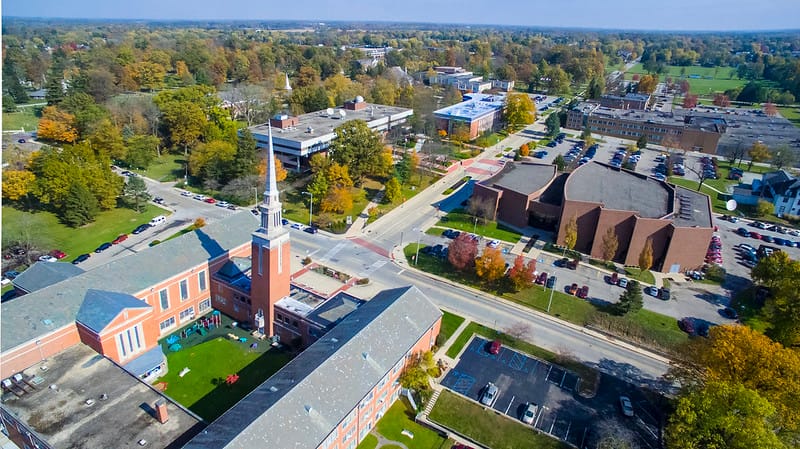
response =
{"points": [[58, 254], [542, 278], [121, 238], [210, 200], [755, 235], [583, 292], [494, 347]]}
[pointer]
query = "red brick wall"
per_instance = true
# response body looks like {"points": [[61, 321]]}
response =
{"points": [[690, 254], [586, 215], [30, 353], [657, 230], [622, 222]]}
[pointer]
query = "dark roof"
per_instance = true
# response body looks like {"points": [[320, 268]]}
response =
{"points": [[334, 310], [44, 274], [234, 268], [692, 208], [780, 181], [56, 306], [99, 308], [522, 177], [145, 362], [304, 402], [619, 189]]}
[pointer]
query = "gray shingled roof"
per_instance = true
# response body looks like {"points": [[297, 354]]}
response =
{"points": [[619, 190], [43, 311], [100, 307], [524, 177], [303, 402], [44, 274]]}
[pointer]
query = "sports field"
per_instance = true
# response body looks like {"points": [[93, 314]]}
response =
{"points": [[703, 80]]}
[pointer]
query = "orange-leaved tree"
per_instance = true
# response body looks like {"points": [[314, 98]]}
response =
{"points": [[521, 275], [57, 125], [490, 266]]}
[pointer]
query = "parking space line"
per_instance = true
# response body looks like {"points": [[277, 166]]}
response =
{"points": [[562, 379], [548, 372], [509, 404], [569, 426], [553, 424]]}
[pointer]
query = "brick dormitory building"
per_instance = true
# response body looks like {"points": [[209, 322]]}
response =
{"points": [[78, 350], [600, 197]]}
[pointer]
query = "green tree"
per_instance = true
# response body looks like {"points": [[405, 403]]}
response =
{"points": [[758, 153], [88, 114], [392, 192], [641, 142], [80, 206], [553, 125], [781, 275], [9, 105], [646, 256], [597, 87], [764, 208], [520, 110], [610, 244], [185, 122], [108, 139], [142, 150], [212, 160], [246, 159], [723, 415], [135, 194], [560, 162], [358, 147], [631, 299], [571, 233]]}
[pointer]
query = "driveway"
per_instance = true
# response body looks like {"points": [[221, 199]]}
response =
{"points": [[562, 413]]}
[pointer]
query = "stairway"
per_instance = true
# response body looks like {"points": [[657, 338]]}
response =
{"points": [[432, 402]]}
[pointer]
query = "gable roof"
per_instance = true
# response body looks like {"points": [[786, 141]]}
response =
{"points": [[56, 306], [44, 274], [303, 403], [100, 307]]}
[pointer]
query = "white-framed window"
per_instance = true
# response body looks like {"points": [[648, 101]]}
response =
{"points": [[330, 441], [352, 445], [187, 314], [168, 323], [347, 420], [349, 434], [220, 299], [184, 285], [365, 430], [201, 280], [163, 297], [130, 341], [204, 305]]}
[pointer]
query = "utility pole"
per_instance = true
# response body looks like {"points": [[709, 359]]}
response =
{"points": [[549, 303], [310, 207]]}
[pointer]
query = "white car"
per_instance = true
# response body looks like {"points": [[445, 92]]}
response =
{"points": [[186, 193], [297, 226], [529, 413], [223, 204], [493, 244], [200, 197], [47, 258], [490, 392]]}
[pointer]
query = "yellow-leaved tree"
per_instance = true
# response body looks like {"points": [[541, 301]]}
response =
{"points": [[490, 266], [57, 125], [17, 183]]}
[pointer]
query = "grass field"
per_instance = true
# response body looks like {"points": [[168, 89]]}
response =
{"points": [[400, 417], [203, 390], [24, 118], [370, 442], [792, 114], [169, 167], [450, 323], [720, 82], [487, 426], [459, 219], [47, 232]]}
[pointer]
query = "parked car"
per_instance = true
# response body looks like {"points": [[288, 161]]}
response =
{"points": [[121, 238], [311, 230], [81, 258], [199, 197], [572, 289], [687, 325], [551, 282], [663, 294], [743, 232], [729, 313], [103, 247], [583, 293], [11, 274], [141, 228], [755, 235], [210, 200], [186, 193], [223, 204], [542, 278], [623, 282], [58, 254], [767, 238], [254, 211], [231, 207], [626, 406], [47, 258], [613, 279], [284, 221], [650, 290], [490, 392], [529, 413], [494, 346], [297, 226], [493, 244], [158, 200]]}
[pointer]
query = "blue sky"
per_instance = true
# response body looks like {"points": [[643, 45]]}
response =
{"points": [[612, 14]]}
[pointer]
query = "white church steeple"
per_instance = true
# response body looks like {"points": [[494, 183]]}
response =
{"points": [[271, 208]]}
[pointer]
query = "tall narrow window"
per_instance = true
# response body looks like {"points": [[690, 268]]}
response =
{"points": [[201, 280], [260, 260], [162, 295], [184, 284]]}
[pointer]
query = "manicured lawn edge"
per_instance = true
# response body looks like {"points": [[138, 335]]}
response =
{"points": [[450, 323]]}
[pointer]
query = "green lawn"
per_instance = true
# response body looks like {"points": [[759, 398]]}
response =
{"points": [[792, 114], [641, 276], [24, 118], [487, 426], [450, 323], [459, 219], [169, 167], [721, 82], [370, 442], [50, 233], [400, 417], [203, 389]]}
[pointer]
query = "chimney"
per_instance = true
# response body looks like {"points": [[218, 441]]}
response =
{"points": [[161, 411]]}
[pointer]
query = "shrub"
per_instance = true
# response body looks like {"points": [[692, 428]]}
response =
{"points": [[715, 273], [154, 243], [363, 281], [306, 260]]}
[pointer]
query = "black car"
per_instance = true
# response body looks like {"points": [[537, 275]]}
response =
{"points": [[141, 228], [284, 221], [158, 200], [311, 230], [231, 207], [103, 247], [81, 258], [730, 313]]}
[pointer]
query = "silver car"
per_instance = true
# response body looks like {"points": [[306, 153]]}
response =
{"points": [[626, 405], [529, 413], [490, 392]]}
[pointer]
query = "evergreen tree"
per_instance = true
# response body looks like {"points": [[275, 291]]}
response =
{"points": [[553, 124], [246, 160], [631, 300], [80, 206], [641, 143], [134, 193]]}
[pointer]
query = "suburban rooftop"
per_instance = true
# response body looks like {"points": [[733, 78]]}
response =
{"points": [[473, 106]]}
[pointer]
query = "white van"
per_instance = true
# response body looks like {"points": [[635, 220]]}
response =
{"points": [[158, 220]]}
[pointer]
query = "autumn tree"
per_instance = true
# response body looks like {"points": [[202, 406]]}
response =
{"points": [[520, 274], [571, 232], [758, 153], [646, 256], [358, 147], [490, 266], [80, 206], [519, 110], [524, 150], [770, 109], [610, 244], [392, 192], [689, 101], [764, 208], [647, 84], [462, 251], [721, 100], [339, 200], [57, 126], [17, 184]]}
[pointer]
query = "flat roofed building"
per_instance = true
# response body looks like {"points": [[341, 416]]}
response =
{"points": [[295, 139], [477, 113], [628, 101], [333, 393], [684, 131], [80, 399]]}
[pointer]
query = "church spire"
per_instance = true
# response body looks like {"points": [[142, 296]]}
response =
{"points": [[271, 208], [287, 86]]}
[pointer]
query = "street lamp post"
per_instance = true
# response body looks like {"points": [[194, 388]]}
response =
{"points": [[310, 206], [416, 256], [255, 195], [549, 303]]}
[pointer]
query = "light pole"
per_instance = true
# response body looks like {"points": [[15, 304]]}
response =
{"points": [[416, 256], [475, 226], [549, 303], [255, 195], [310, 206]]}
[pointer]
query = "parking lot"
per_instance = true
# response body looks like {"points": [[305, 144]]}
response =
{"points": [[561, 413]]}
